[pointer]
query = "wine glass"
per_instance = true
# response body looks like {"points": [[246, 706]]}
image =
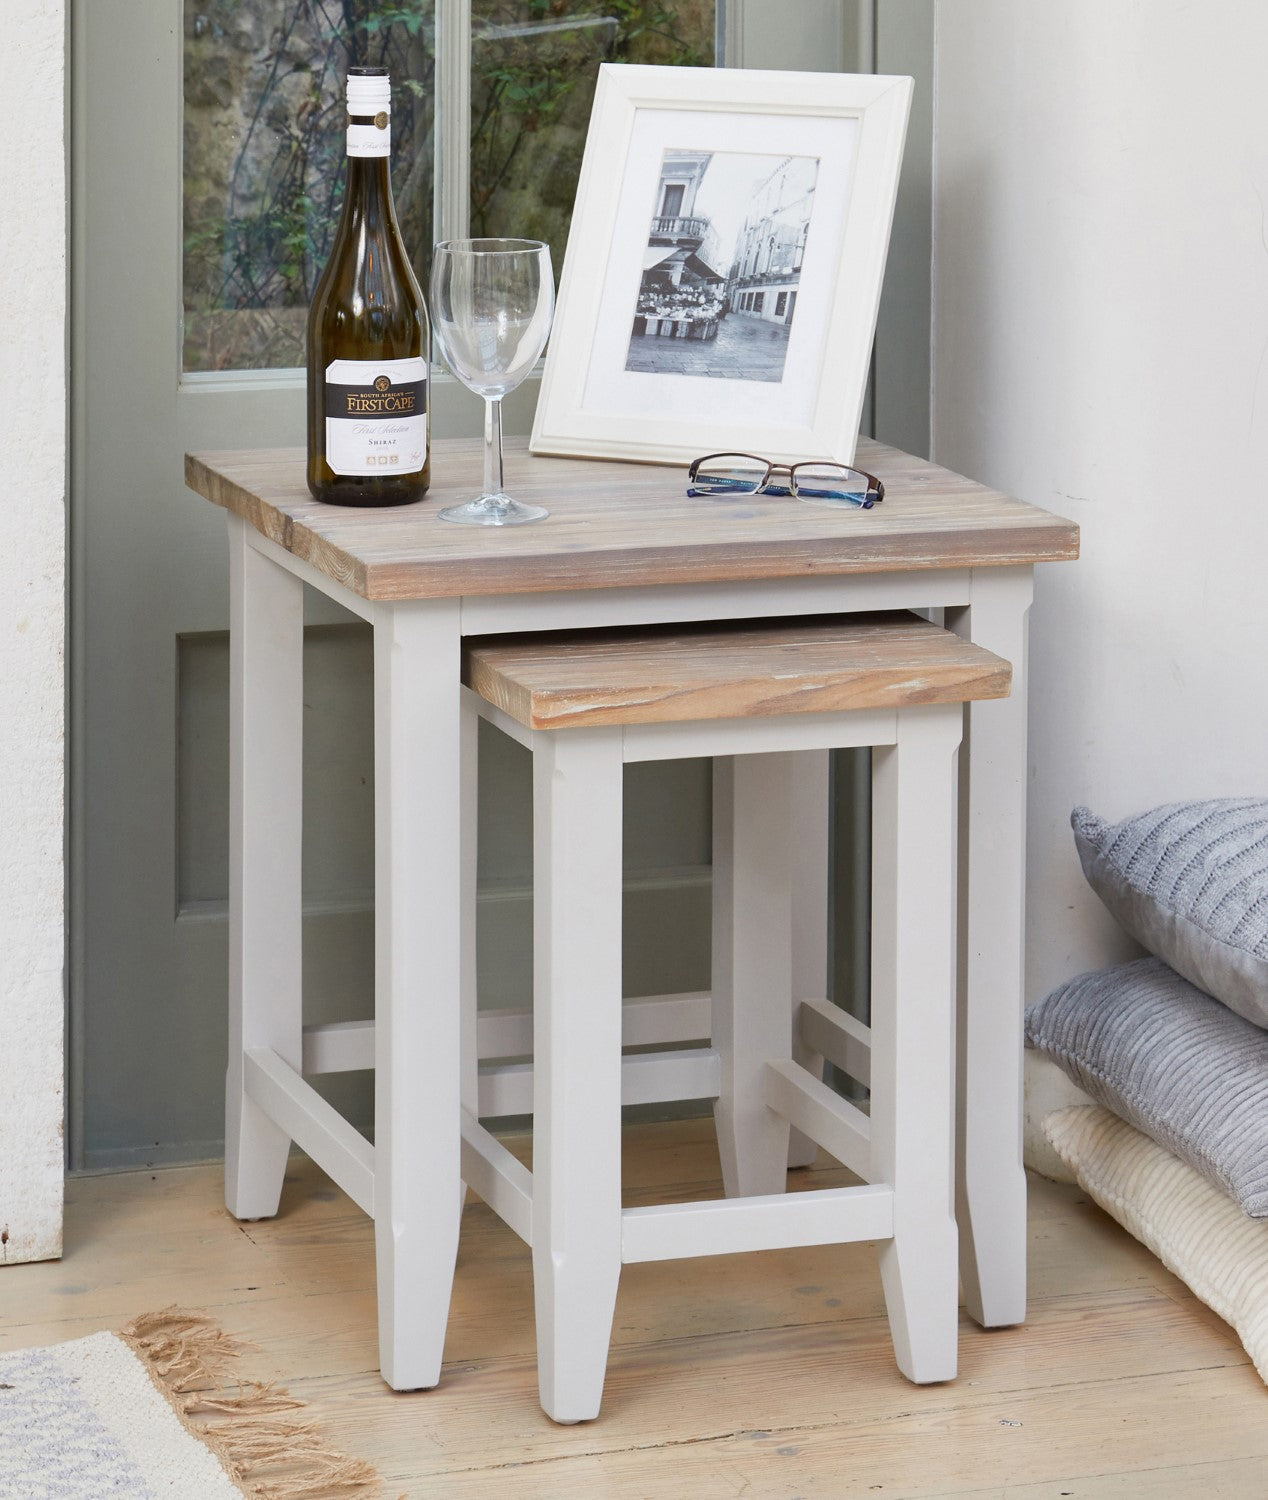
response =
{"points": [[492, 301]]}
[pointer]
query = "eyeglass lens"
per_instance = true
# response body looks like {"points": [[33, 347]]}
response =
{"points": [[829, 482], [730, 473]]}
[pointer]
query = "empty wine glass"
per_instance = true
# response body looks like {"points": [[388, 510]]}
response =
{"points": [[492, 302]]}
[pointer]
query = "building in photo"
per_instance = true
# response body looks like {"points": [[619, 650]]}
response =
{"points": [[726, 226], [768, 255], [681, 292]]}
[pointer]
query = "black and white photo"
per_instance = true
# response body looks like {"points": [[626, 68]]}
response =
{"points": [[724, 265], [725, 246]]}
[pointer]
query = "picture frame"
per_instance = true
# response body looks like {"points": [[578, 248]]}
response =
{"points": [[723, 272]]}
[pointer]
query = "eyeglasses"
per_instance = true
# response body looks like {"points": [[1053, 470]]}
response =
{"points": [[743, 474]]}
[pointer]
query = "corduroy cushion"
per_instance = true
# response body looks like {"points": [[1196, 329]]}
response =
{"points": [[1190, 882], [1197, 1232], [1171, 1061]]}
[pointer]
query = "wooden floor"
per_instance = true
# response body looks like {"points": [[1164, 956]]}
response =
{"points": [[757, 1375]]}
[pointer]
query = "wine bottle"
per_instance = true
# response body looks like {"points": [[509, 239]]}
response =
{"points": [[368, 334]]}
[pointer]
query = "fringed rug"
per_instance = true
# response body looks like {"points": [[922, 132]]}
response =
{"points": [[151, 1412]]}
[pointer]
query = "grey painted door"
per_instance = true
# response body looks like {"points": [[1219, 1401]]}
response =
{"points": [[149, 658]]}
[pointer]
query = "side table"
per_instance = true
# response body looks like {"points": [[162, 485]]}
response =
{"points": [[623, 545]]}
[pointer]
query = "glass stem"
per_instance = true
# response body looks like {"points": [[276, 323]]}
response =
{"points": [[493, 446]]}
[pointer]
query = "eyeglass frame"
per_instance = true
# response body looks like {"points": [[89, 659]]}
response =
{"points": [[874, 493]]}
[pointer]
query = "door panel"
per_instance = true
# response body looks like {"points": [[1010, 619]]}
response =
{"points": [[149, 608]]}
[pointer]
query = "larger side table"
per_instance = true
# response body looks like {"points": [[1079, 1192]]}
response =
{"points": [[623, 546]]}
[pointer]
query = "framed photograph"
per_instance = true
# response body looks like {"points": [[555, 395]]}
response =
{"points": [[724, 266]]}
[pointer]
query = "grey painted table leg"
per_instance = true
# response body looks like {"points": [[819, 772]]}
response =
{"points": [[991, 1182]]}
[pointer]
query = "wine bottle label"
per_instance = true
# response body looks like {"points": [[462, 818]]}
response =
{"points": [[370, 137], [376, 416]]}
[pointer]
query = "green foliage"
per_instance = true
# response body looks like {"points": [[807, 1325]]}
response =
{"points": [[533, 68]]}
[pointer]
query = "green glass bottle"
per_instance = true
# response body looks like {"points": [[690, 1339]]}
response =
{"points": [[368, 334]]}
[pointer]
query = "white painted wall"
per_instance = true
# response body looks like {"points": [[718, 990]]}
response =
{"points": [[32, 563], [1101, 349]]}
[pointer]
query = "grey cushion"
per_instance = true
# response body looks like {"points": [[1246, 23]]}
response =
{"points": [[1172, 1062], [1190, 882]]}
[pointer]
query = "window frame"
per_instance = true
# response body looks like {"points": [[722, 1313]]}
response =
{"points": [[743, 28]]}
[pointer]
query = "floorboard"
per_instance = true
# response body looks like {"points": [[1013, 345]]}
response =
{"points": [[754, 1375]]}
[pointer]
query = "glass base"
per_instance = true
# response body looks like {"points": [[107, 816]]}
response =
{"points": [[494, 510]]}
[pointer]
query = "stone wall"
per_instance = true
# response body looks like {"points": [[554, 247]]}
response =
{"points": [[263, 161], [264, 139]]}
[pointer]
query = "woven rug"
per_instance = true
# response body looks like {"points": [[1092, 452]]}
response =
{"points": [[152, 1412]]}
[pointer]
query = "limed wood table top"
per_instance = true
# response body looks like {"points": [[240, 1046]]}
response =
{"points": [[731, 670], [621, 525]]}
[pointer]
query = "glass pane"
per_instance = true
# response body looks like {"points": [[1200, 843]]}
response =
{"points": [[830, 482], [729, 473], [264, 160], [533, 70]]}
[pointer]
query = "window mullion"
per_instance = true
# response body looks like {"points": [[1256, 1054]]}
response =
{"points": [[452, 202], [729, 34]]}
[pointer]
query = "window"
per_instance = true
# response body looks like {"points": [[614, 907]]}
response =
{"points": [[758, 299], [781, 302], [264, 144], [671, 202]]}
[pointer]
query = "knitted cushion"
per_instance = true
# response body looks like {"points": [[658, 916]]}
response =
{"points": [[1172, 1062], [1190, 882], [1197, 1233]]}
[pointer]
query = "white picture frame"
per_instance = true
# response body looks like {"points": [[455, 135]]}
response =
{"points": [[798, 173]]}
